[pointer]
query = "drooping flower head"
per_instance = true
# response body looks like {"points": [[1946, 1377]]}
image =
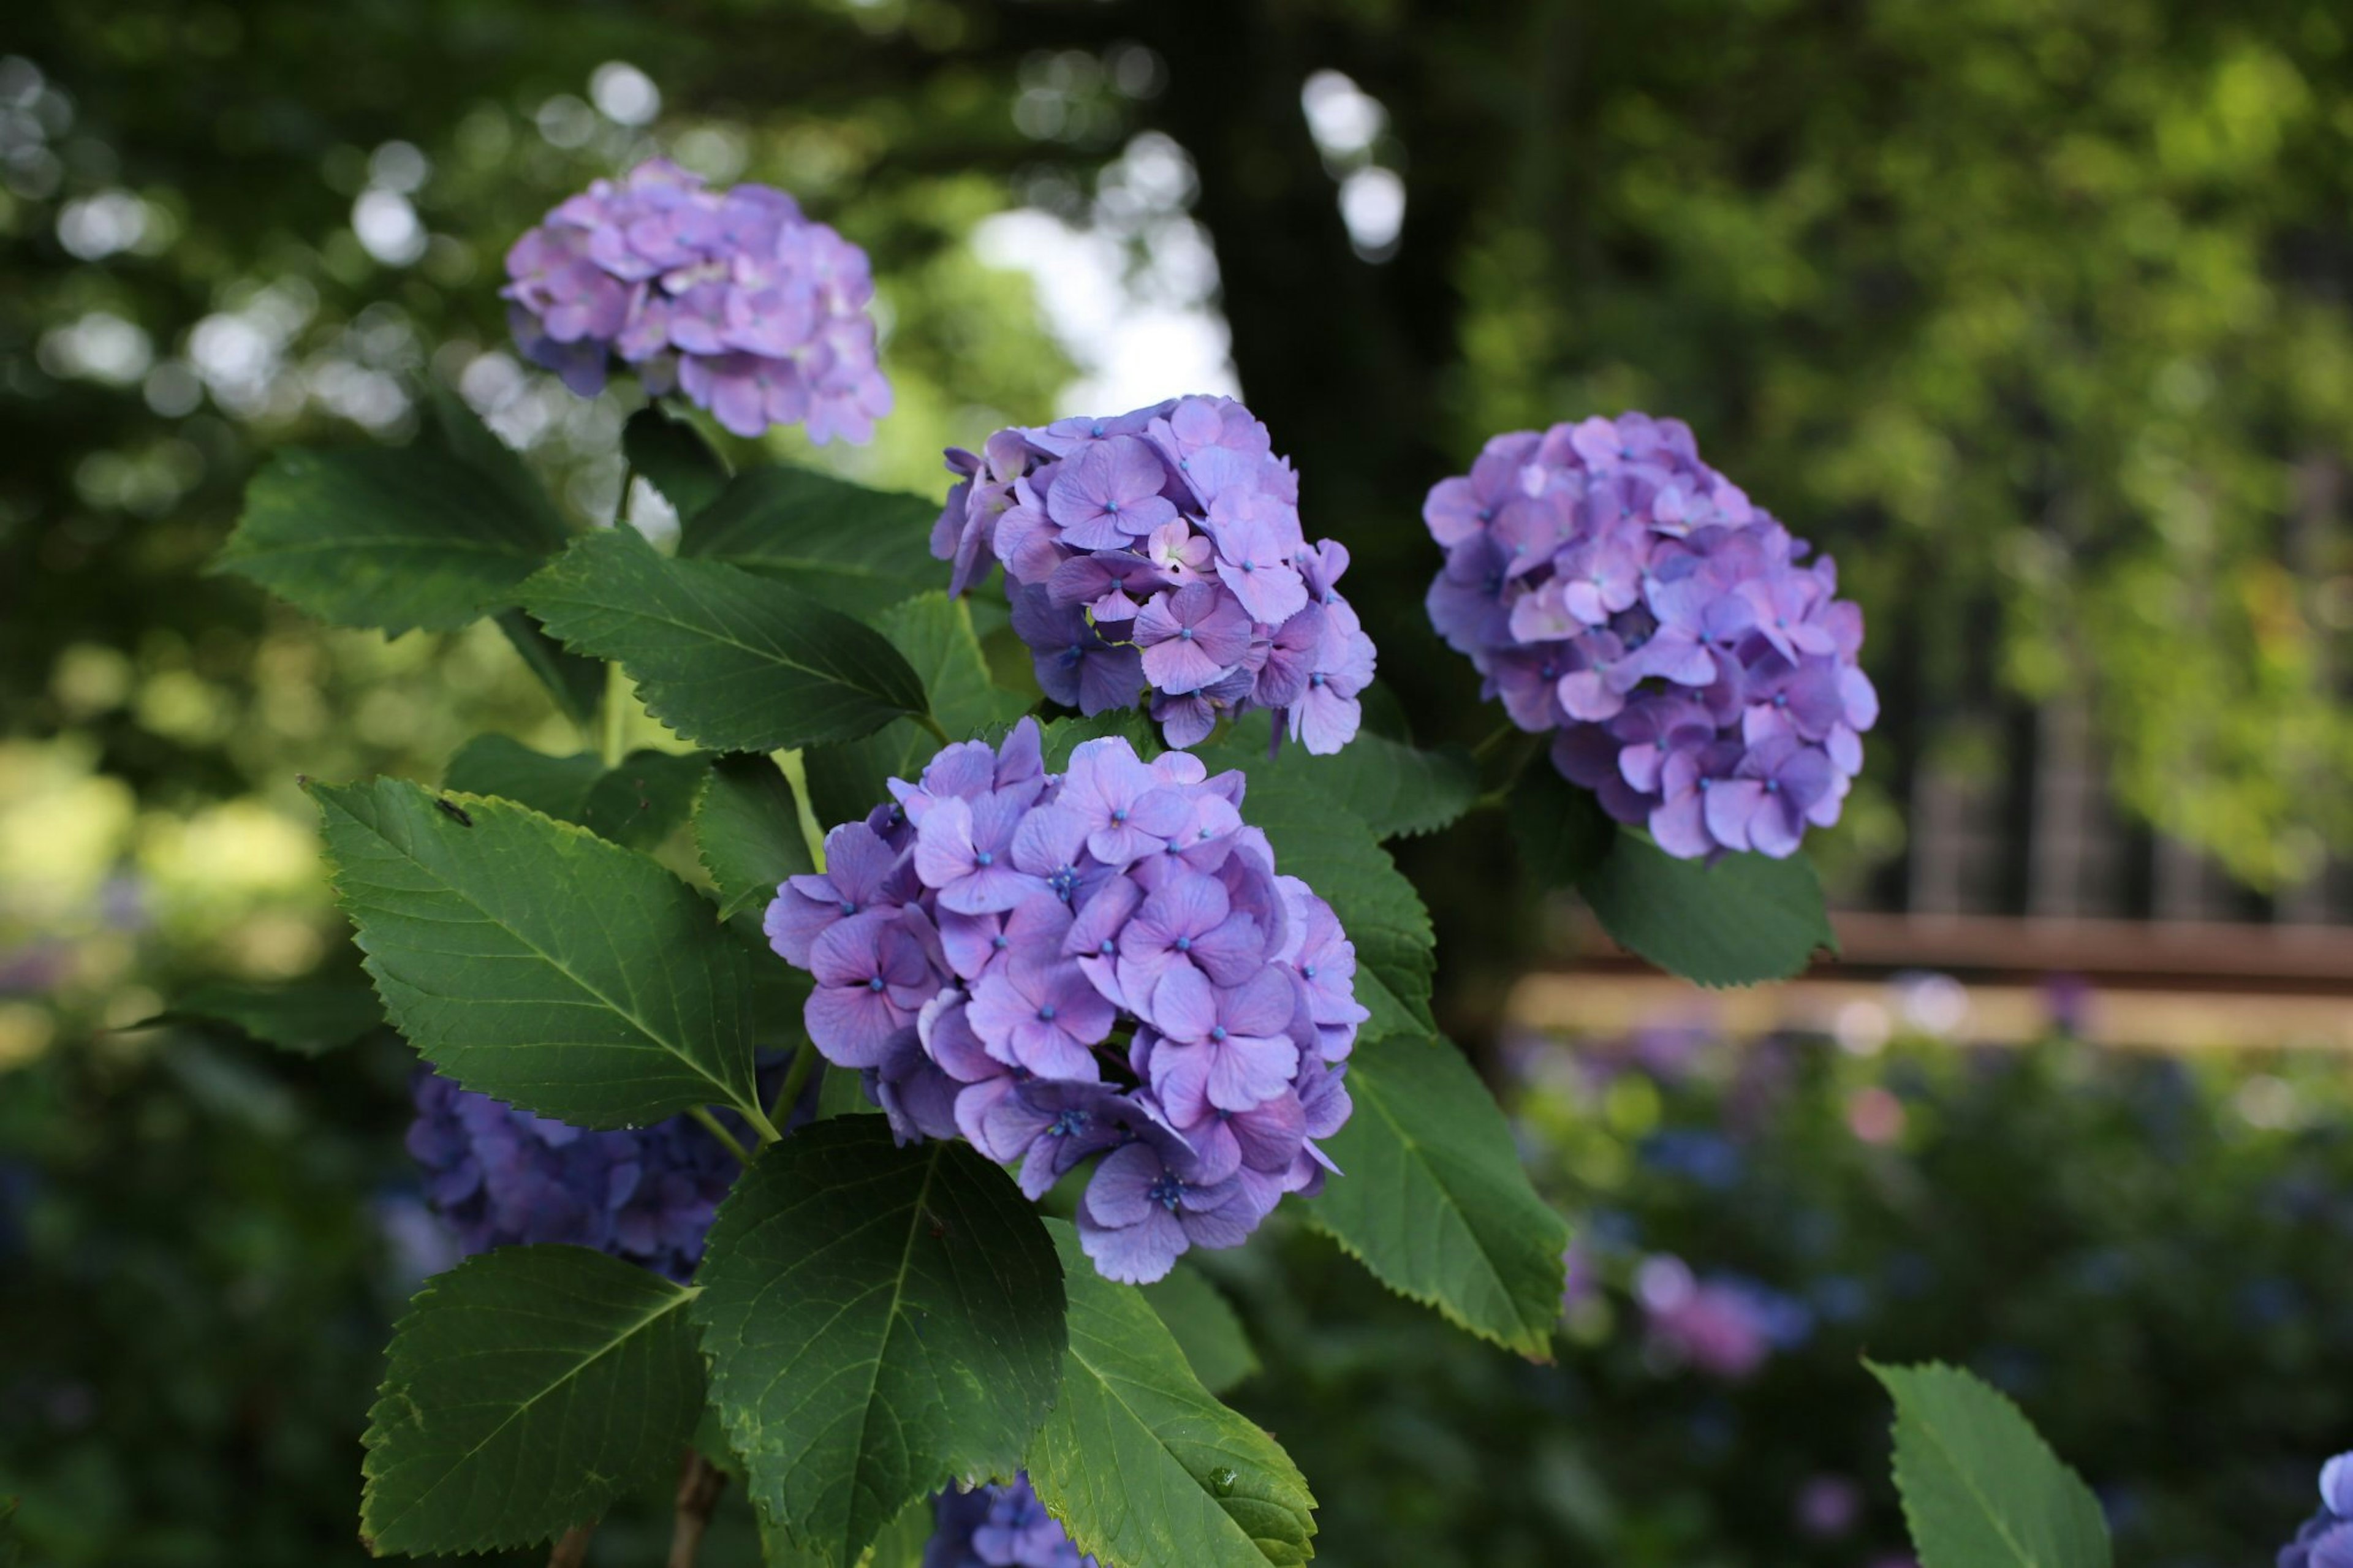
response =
{"points": [[753, 310], [1159, 556], [500, 1177], [1697, 668], [998, 1527], [2326, 1538], [1095, 968]]}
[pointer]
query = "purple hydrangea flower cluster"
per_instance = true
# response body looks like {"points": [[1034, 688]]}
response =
{"points": [[1000, 1526], [1698, 669], [755, 311], [502, 1177], [2326, 1538], [1162, 551], [1726, 1326], [1102, 965]]}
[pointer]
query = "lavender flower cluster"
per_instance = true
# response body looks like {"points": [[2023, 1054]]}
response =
{"points": [[504, 1177], [1699, 671], [753, 310], [2326, 1538], [998, 1527], [1162, 550], [1097, 964]]}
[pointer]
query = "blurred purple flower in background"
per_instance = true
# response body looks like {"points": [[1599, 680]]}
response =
{"points": [[1723, 1325], [2325, 1540], [998, 1527], [734, 298], [1159, 556], [1699, 671]]}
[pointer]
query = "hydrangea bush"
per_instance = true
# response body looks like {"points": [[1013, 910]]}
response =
{"points": [[1056, 984]]}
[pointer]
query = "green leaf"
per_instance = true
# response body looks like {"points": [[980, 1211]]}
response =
{"points": [[638, 804], [528, 1388], [431, 536], [723, 659], [506, 767], [671, 454], [1981, 1489], [1561, 830], [1206, 1328], [309, 1017], [536, 963], [577, 684], [934, 634], [841, 1091], [1321, 841], [1745, 919], [842, 544], [880, 1321], [1434, 1200], [1063, 736], [1393, 788], [1140, 1463], [747, 829]]}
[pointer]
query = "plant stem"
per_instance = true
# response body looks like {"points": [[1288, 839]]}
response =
{"points": [[617, 716], [718, 1129], [700, 1482], [928, 722], [796, 775], [1486, 748], [573, 1550], [796, 1079], [762, 1126]]}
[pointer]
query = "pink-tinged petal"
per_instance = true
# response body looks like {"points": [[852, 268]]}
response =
{"points": [[1730, 804], [850, 1026], [1246, 1072], [1262, 1007], [944, 846], [974, 1103], [1138, 1254], [1184, 1005], [1180, 1078], [1681, 827]]}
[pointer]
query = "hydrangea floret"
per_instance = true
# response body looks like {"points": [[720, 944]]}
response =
{"points": [[735, 297], [2326, 1538], [1160, 553], [1101, 967], [998, 1527], [502, 1177], [1696, 669]]}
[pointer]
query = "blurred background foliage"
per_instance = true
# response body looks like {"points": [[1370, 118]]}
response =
{"points": [[2035, 311]]}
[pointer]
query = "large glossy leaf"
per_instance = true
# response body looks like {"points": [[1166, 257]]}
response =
{"points": [[856, 549], [1394, 789], [528, 1388], [1206, 1327], [1742, 920], [1981, 1489], [934, 633], [1140, 1463], [538, 964], [1433, 1199], [1323, 844], [747, 828], [878, 1321], [671, 454], [725, 659], [430, 535]]}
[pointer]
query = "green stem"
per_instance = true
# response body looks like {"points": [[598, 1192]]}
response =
{"points": [[717, 1129], [796, 1079], [928, 722], [617, 715], [1486, 748], [761, 1125], [796, 775]]}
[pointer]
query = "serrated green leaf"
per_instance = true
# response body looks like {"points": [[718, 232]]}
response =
{"points": [[1393, 788], [1326, 846], [857, 550], [747, 830], [503, 766], [1140, 1463], [1981, 1487], [1206, 1328], [1433, 1199], [638, 804], [1063, 736], [536, 963], [1561, 830], [577, 684], [934, 634], [670, 455], [309, 1017], [880, 1321], [429, 536], [723, 659], [1745, 919], [528, 1388]]}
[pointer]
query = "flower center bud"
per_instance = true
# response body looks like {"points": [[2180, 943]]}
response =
{"points": [[1046, 1014], [848, 907], [984, 858], [1218, 1033], [1185, 634], [1183, 944], [1168, 1192], [875, 984]]}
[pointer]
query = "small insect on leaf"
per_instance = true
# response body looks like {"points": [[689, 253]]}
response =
{"points": [[452, 810]]}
